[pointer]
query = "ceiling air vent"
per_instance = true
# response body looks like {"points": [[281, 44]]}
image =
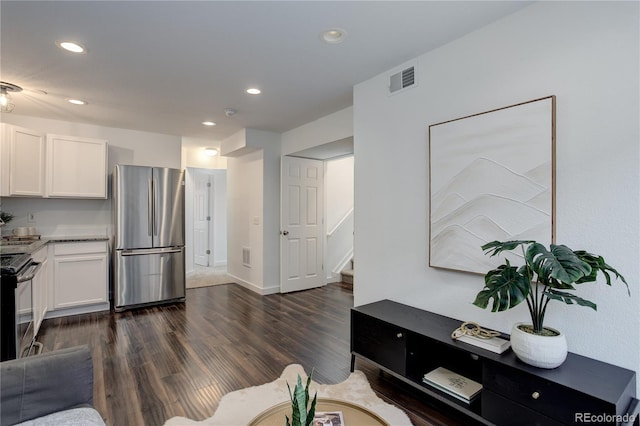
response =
{"points": [[402, 80]]}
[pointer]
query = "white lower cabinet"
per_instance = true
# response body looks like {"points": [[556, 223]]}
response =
{"points": [[80, 274]]}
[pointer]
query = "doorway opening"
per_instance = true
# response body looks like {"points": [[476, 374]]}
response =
{"points": [[205, 225]]}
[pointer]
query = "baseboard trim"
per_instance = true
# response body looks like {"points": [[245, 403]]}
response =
{"points": [[256, 289], [77, 310]]}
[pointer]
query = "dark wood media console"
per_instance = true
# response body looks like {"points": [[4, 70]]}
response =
{"points": [[407, 342]]}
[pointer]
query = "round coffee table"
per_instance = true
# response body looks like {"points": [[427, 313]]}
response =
{"points": [[354, 415]]}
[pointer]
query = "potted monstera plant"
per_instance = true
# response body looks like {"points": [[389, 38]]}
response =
{"points": [[547, 274]]}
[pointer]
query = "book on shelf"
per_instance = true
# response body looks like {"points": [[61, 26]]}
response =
{"points": [[453, 384], [493, 344]]}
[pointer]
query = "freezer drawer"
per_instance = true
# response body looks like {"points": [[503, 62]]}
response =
{"points": [[148, 276]]}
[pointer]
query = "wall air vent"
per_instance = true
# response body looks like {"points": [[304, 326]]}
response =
{"points": [[246, 257], [402, 80]]}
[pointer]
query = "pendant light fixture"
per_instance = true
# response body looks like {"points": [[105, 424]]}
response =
{"points": [[6, 101]]}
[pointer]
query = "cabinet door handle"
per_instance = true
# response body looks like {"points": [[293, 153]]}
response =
{"points": [[399, 335], [535, 395]]}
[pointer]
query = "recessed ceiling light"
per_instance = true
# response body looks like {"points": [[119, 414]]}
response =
{"points": [[253, 91], [208, 123], [77, 101], [211, 152], [71, 46], [334, 35]]}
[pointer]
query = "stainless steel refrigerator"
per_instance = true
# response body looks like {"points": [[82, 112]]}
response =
{"points": [[148, 210]]}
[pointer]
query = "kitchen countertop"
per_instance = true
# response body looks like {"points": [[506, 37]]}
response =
{"points": [[37, 244]]}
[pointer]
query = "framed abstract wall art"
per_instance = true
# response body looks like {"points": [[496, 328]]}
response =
{"points": [[491, 177]]}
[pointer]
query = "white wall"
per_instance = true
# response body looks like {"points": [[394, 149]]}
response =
{"points": [[253, 208], [338, 176], [585, 53], [339, 189], [193, 154], [271, 211], [220, 218], [74, 217], [244, 202]]}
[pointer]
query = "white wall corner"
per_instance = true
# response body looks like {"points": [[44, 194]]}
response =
{"points": [[248, 140], [264, 291], [329, 128], [235, 144]]}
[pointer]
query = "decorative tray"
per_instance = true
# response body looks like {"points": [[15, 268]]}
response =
{"points": [[354, 415]]}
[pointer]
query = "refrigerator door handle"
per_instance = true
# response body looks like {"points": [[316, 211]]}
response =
{"points": [[155, 207], [151, 251], [149, 207]]}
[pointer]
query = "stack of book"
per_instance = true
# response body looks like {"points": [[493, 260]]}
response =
{"points": [[493, 344], [453, 384]]}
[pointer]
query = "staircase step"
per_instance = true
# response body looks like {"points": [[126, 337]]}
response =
{"points": [[347, 276]]}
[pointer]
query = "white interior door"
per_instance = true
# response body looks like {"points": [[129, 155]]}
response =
{"points": [[201, 219], [302, 224]]}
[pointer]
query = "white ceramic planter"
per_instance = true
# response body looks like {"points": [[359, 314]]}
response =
{"points": [[539, 351]]}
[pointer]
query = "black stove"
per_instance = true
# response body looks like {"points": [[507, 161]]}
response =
{"points": [[11, 264], [16, 270]]}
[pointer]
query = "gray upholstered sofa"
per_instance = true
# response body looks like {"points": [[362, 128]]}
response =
{"points": [[54, 388]]}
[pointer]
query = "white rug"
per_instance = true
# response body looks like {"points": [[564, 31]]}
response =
{"points": [[205, 277], [240, 407]]}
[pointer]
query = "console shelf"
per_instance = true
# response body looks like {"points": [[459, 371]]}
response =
{"points": [[407, 342]]}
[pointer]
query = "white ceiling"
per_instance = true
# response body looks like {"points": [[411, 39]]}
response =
{"points": [[167, 66]]}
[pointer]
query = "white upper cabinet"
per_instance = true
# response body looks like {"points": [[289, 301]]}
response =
{"points": [[76, 167], [56, 166], [23, 162]]}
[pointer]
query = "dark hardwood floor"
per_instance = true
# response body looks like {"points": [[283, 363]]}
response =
{"points": [[179, 360]]}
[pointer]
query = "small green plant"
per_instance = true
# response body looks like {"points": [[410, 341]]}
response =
{"points": [[546, 275], [299, 402]]}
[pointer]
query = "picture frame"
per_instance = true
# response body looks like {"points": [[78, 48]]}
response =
{"points": [[491, 177]]}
